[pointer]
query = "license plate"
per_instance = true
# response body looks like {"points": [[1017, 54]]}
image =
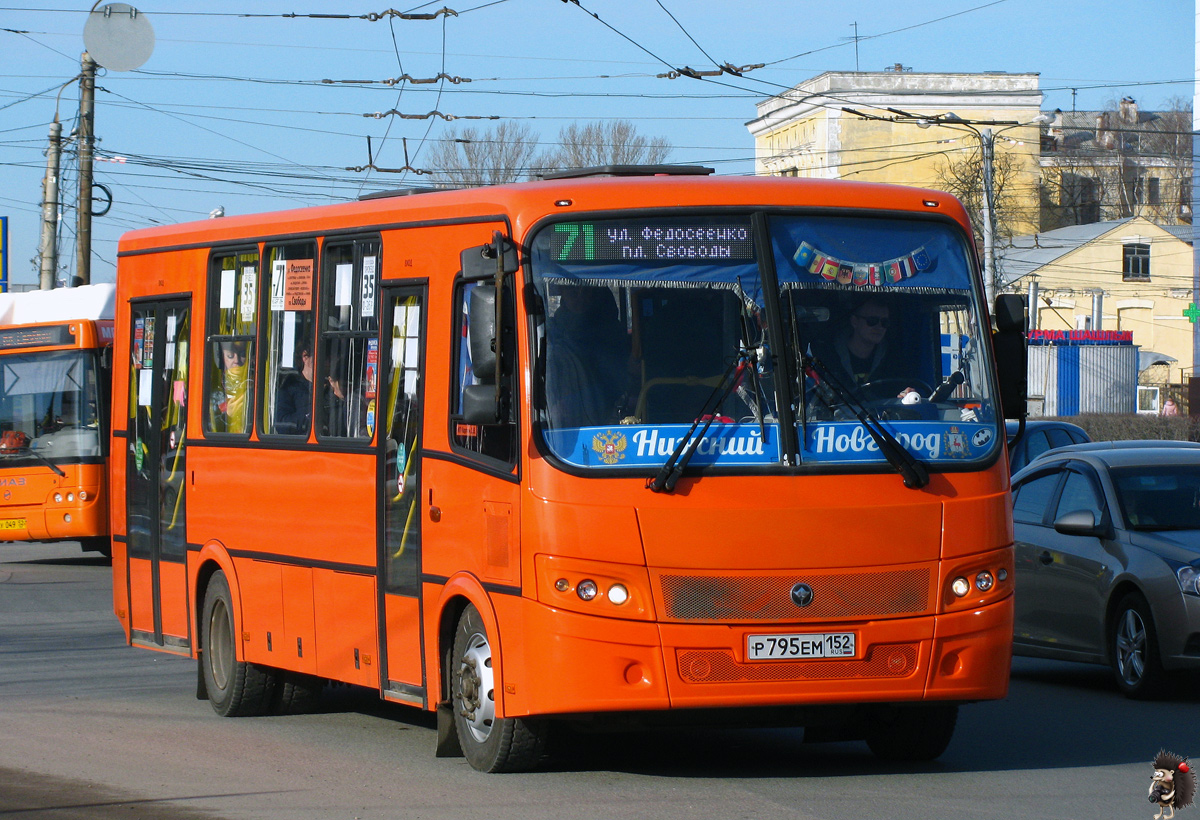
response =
{"points": [[800, 647], [12, 524]]}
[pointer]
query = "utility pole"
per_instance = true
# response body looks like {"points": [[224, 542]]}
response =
{"points": [[49, 245], [988, 144], [83, 210]]}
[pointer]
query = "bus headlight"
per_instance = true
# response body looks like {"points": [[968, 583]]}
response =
{"points": [[58, 498], [984, 581], [586, 589], [960, 587], [618, 594]]}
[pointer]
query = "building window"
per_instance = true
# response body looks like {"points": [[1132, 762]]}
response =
{"points": [[1152, 191], [1135, 265]]}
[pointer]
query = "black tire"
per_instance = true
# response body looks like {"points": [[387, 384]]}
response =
{"points": [[100, 543], [297, 693], [489, 743], [235, 688], [915, 733], [1133, 649]]}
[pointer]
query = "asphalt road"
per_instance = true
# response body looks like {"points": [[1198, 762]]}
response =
{"points": [[90, 728]]}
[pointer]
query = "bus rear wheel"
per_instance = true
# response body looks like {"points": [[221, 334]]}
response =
{"points": [[235, 688], [489, 743]]}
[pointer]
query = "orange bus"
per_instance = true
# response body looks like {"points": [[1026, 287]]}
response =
{"points": [[55, 359], [574, 450]]}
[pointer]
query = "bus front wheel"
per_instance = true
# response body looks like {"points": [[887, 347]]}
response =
{"points": [[235, 688], [912, 733], [490, 743]]}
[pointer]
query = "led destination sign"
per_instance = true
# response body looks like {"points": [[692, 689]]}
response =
{"points": [[647, 240]]}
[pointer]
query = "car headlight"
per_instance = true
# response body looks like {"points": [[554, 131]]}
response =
{"points": [[1189, 579]]}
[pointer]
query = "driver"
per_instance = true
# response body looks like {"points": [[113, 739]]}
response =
{"points": [[859, 354]]}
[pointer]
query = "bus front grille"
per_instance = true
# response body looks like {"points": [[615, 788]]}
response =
{"points": [[721, 666], [836, 595]]}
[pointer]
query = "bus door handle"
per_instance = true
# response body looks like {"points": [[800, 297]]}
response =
{"points": [[435, 512]]}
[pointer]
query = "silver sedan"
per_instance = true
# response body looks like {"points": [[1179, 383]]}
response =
{"points": [[1108, 560]]}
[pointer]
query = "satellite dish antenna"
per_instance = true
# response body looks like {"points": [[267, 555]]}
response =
{"points": [[118, 37]]}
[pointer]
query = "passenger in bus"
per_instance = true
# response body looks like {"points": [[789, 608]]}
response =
{"points": [[230, 399], [587, 359], [293, 400]]}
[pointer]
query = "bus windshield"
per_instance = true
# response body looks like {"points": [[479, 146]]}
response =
{"points": [[49, 406], [654, 322]]}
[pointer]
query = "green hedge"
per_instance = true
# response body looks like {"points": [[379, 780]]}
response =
{"points": [[1111, 427]]}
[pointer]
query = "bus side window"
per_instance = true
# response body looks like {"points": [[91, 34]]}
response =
{"points": [[347, 365], [229, 364], [493, 441], [288, 381]]}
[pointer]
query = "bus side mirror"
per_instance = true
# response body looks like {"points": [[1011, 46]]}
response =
{"points": [[1008, 344], [479, 262], [481, 332], [479, 404]]}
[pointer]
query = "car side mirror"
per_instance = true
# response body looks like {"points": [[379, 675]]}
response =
{"points": [[1081, 522]]}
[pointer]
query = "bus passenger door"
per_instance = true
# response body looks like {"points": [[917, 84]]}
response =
{"points": [[401, 371], [157, 432]]}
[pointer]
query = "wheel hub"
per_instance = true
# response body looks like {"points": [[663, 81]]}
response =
{"points": [[477, 698]]}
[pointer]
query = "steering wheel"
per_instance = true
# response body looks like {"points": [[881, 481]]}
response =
{"points": [[889, 388]]}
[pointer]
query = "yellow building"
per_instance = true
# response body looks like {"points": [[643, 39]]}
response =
{"points": [[1129, 275], [899, 129]]}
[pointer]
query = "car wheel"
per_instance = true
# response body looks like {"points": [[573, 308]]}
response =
{"points": [[235, 688], [1133, 649], [913, 733], [489, 743]]}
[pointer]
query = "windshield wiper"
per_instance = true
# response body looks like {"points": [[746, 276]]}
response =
{"points": [[38, 456], [829, 391], [673, 467]]}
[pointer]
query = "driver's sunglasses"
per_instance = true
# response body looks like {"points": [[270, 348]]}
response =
{"points": [[872, 321]]}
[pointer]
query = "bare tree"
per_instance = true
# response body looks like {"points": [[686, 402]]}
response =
{"points": [[963, 177], [613, 143], [507, 152]]}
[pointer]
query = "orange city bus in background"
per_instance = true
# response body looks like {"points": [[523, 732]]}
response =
{"points": [[573, 449], [55, 355]]}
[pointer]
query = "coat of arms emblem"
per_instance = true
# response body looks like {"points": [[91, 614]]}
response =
{"points": [[610, 446]]}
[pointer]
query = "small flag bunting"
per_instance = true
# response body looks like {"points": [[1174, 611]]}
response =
{"points": [[858, 274]]}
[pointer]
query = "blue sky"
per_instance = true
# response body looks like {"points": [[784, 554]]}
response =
{"points": [[230, 110]]}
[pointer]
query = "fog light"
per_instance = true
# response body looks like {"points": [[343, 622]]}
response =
{"points": [[562, 584], [960, 587], [618, 594], [984, 581], [67, 518], [587, 589], [58, 498]]}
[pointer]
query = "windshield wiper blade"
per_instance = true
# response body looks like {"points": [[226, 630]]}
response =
{"points": [[911, 469], [39, 457], [673, 467]]}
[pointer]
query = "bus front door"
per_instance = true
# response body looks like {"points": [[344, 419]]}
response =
{"points": [[402, 360], [157, 434]]}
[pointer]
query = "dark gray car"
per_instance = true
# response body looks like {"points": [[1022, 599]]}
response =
{"points": [[1108, 560], [1040, 435]]}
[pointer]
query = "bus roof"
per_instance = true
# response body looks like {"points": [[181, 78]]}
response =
{"points": [[58, 305], [526, 202]]}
